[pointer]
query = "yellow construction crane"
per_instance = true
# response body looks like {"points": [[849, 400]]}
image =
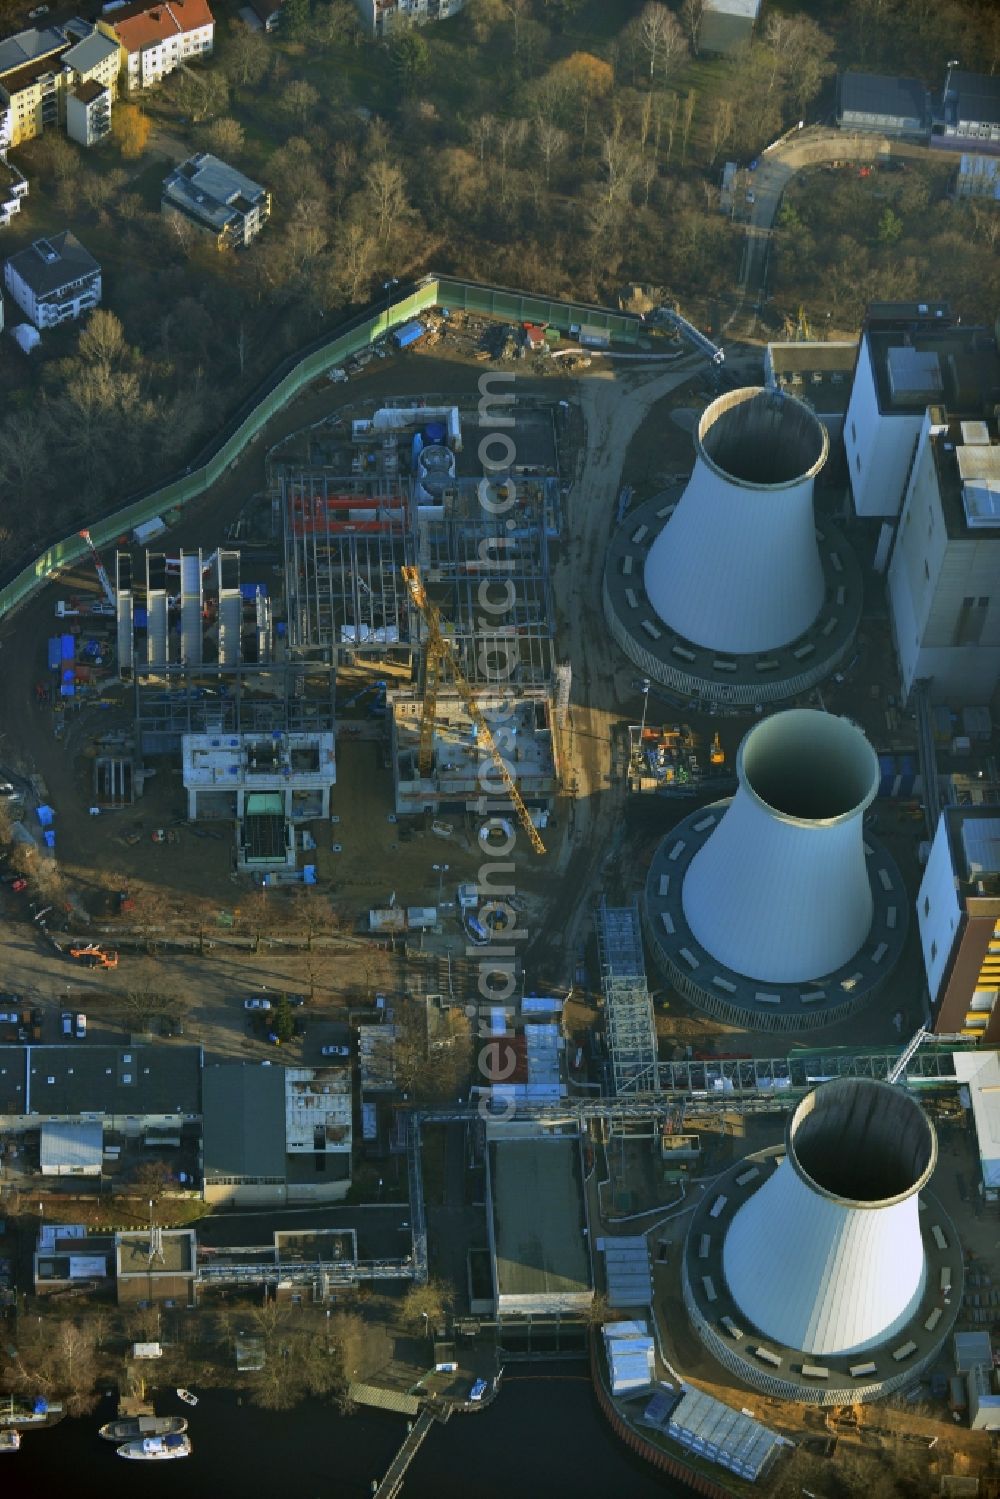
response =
{"points": [[441, 655]]}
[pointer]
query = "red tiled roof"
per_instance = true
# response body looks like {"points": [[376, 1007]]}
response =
{"points": [[144, 25]]}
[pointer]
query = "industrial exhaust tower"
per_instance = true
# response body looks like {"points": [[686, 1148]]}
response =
{"points": [[729, 590], [826, 1272], [777, 910]]}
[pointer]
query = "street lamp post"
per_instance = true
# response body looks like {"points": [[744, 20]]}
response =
{"points": [[440, 870], [953, 62], [646, 684]]}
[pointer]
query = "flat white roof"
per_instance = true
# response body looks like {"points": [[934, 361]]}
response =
{"points": [[980, 1071]]}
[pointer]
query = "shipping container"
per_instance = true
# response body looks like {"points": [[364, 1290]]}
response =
{"points": [[408, 334], [55, 653], [149, 530]]}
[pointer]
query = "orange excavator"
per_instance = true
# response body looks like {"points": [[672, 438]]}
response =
{"points": [[94, 956]]}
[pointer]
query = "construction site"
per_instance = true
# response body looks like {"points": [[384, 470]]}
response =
{"points": [[395, 667]]}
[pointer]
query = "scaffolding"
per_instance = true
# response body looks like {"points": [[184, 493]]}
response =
{"points": [[200, 655], [631, 1029], [483, 554], [346, 540]]}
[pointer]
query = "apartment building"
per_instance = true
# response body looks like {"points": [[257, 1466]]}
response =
{"points": [[217, 199], [380, 16], [40, 71], [157, 38], [54, 280]]}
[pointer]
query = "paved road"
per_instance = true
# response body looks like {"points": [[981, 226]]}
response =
{"points": [[809, 147]]}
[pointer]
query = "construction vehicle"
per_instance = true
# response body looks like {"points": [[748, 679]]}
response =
{"points": [[716, 755], [95, 956], [440, 657], [102, 572]]}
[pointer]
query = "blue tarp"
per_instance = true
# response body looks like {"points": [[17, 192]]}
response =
{"points": [[68, 647], [50, 839], [309, 874], [45, 815]]}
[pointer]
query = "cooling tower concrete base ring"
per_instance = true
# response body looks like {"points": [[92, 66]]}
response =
{"points": [[699, 673], [753, 1004], [793, 1373]]}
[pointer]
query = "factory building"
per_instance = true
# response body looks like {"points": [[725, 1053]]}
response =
{"points": [[912, 356], [826, 1272], [958, 917], [944, 572], [774, 911], [276, 1135], [537, 1222], [730, 590]]}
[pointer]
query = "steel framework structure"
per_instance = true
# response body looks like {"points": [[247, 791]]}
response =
{"points": [[484, 558], [345, 541], [629, 1009]]}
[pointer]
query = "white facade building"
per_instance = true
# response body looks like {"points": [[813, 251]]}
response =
{"points": [[958, 915], [944, 575], [380, 16], [54, 280], [912, 356], [158, 38]]}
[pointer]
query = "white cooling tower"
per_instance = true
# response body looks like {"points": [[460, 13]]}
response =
{"points": [[737, 567], [780, 890], [827, 1255]]}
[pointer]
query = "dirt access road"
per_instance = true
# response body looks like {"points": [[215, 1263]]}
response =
{"points": [[614, 407]]}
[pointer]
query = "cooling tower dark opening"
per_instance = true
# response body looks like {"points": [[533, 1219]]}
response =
{"points": [[762, 437], [862, 1141], [809, 765]]}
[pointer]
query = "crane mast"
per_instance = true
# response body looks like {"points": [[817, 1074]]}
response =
{"points": [[441, 656], [102, 572]]}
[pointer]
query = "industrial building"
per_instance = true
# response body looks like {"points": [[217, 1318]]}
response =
{"points": [[731, 591], [217, 199], [971, 111], [130, 1089], [826, 1272], [536, 1216], [709, 1429], [912, 356], [774, 910], [214, 682], [884, 105], [958, 917], [277, 1135], [818, 374], [944, 570]]}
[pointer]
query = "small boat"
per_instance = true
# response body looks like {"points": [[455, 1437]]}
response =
{"points": [[131, 1427], [156, 1449], [10, 1441], [187, 1397]]}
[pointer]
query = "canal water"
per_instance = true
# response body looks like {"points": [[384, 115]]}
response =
{"points": [[544, 1436]]}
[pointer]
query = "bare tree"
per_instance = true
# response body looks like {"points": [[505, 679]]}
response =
{"points": [[300, 99], [551, 142], [660, 37], [723, 122], [692, 13], [385, 188], [687, 118]]}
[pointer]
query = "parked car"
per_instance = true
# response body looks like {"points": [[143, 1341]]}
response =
{"points": [[7, 789], [67, 1023], [751, 196], [335, 1051], [9, 1017], [80, 1027], [478, 1390], [103, 607], [256, 1004], [296, 999]]}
